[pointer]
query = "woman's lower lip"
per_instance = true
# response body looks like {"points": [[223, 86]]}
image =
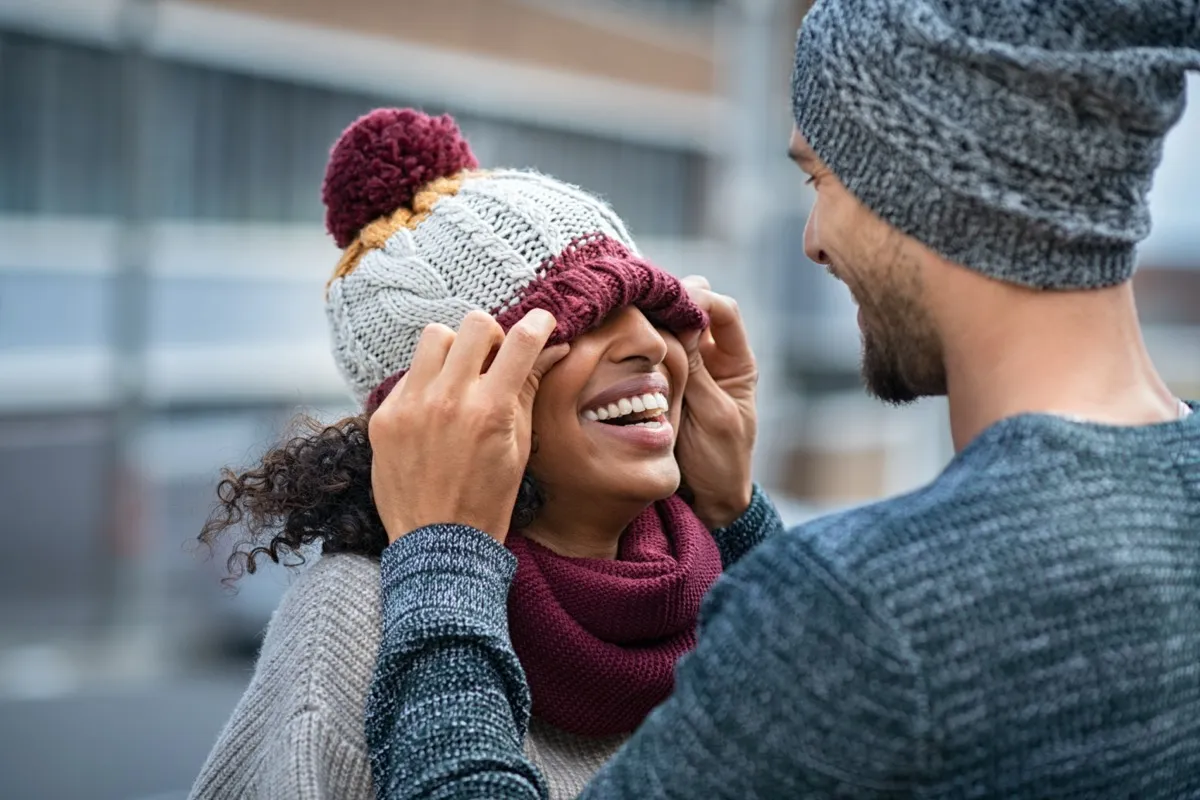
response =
{"points": [[660, 438]]}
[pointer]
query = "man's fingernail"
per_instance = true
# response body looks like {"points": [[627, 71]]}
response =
{"points": [[541, 318]]}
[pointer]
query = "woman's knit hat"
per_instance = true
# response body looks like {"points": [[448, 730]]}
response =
{"points": [[428, 237]]}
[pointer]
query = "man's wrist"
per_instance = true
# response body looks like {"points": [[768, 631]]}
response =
{"points": [[725, 512], [398, 529]]}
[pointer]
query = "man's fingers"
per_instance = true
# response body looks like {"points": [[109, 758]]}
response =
{"points": [[701, 385], [726, 326], [519, 352], [725, 320], [690, 341], [477, 337], [700, 293], [548, 358], [383, 412], [545, 361], [430, 357]]}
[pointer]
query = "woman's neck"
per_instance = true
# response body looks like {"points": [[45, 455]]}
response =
{"points": [[585, 529]]}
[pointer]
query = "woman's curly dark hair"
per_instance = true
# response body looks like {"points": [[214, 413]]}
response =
{"points": [[314, 488]]}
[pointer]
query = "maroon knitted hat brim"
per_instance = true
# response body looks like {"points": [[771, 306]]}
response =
{"points": [[581, 286]]}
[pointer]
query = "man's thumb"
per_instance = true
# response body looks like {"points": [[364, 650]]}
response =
{"points": [[543, 364], [700, 383]]}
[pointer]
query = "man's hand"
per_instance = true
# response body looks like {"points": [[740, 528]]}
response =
{"points": [[451, 441], [716, 434]]}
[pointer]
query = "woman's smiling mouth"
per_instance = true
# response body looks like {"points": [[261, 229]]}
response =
{"points": [[635, 410]]}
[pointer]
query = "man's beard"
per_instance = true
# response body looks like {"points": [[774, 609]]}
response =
{"points": [[901, 356]]}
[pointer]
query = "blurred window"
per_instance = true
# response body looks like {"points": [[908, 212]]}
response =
{"points": [[199, 310], [226, 146], [59, 130], [1169, 296], [72, 310], [53, 310], [671, 7]]}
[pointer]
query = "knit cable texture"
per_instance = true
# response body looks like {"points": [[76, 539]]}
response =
{"points": [[1018, 139], [599, 638], [502, 240], [581, 286], [296, 734], [1027, 626], [298, 731], [459, 608]]}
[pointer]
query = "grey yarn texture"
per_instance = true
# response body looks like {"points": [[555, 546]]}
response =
{"points": [[298, 731], [1018, 138], [1025, 627]]}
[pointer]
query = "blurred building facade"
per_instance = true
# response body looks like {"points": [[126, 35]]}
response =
{"points": [[162, 248], [162, 255]]}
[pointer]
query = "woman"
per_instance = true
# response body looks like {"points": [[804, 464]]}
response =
{"points": [[611, 563]]}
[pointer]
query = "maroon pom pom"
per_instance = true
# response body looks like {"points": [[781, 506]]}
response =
{"points": [[380, 162]]}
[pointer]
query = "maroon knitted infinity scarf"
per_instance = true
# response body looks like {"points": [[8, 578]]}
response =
{"points": [[599, 639]]}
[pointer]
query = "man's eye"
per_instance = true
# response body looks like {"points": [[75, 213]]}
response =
{"points": [[811, 180]]}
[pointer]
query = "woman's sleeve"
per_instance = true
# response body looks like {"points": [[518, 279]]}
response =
{"points": [[287, 738], [759, 522], [309, 759]]}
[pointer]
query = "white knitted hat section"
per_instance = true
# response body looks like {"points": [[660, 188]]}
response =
{"points": [[377, 312], [571, 208], [478, 249]]}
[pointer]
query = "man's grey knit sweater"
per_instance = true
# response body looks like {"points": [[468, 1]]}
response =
{"points": [[1027, 626]]}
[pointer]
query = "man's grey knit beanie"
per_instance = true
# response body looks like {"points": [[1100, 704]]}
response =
{"points": [[1018, 138]]}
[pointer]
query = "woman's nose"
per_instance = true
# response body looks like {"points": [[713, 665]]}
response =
{"points": [[635, 337]]}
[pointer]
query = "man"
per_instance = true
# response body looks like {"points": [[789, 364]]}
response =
{"points": [[1026, 626]]}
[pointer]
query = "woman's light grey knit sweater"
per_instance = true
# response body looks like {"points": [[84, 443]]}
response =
{"points": [[297, 733]]}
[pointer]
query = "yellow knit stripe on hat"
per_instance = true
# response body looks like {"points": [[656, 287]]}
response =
{"points": [[376, 234]]}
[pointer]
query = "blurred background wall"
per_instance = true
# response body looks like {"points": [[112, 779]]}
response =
{"points": [[162, 258]]}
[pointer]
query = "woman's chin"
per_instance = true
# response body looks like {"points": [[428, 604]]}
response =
{"points": [[648, 483]]}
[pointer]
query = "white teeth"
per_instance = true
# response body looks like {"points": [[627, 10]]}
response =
{"points": [[652, 424], [629, 405]]}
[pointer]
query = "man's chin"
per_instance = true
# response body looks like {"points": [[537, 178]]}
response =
{"points": [[890, 393], [888, 383], [884, 379]]}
